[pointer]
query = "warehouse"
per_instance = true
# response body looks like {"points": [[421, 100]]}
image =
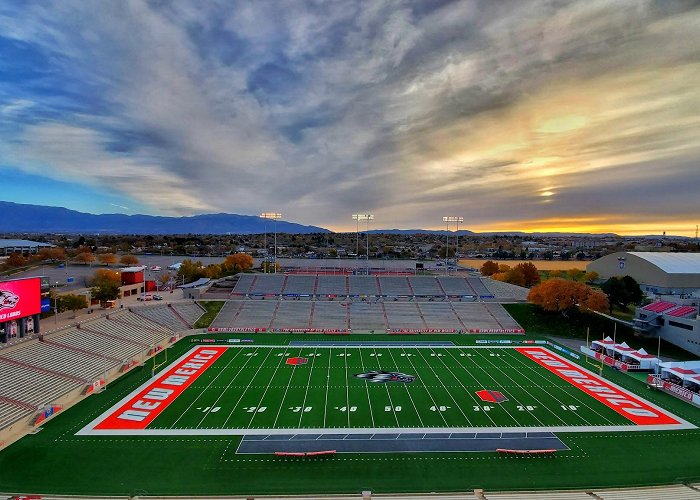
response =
{"points": [[658, 273]]}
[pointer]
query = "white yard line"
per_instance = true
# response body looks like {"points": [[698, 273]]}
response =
{"points": [[328, 377], [471, 394], [575, 391], [208, 386], [430, 395], [347, 386], [311, 371], [284, 396], [393, 407], [247, 387], [369, 401], [517, 384], [405, 386], [449, 393], [478, 382]]}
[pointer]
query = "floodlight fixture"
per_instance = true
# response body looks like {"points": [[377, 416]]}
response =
{"points": [[274, 216]]}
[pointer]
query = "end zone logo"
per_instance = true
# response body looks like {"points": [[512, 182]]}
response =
{"points": [[380, 377], [8, 300]]}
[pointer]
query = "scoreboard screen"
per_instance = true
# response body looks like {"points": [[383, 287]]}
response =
{"points": [[20, 298]]}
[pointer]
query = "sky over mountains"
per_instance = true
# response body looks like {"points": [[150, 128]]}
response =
{"points": [[517, 115]]}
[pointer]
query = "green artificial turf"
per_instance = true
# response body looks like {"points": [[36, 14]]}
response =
{"points": [[55, 460]]}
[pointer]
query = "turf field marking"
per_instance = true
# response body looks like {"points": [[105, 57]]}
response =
{"points": [[267, 388], [248, 386], [449, 393], [306, 392], [194, 401], [471, 393], [369, 400], [347, 385], [435, 404], [480, 384], [573, 395], [487, 358], [286, 390], [328, 377], [405, 386], [393, 406]]}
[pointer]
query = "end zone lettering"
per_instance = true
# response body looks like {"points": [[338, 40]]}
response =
{"points": [[140, 410], [623, 403]]}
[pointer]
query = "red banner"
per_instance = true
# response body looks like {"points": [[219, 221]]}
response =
{"points": [[20, 298], [627, 405], [149, 402]]}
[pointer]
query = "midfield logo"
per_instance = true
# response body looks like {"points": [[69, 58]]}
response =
{"points": [[8, 300], [381, 377], [491, 396]]}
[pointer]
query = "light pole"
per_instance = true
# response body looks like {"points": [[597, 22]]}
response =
{"points": [[447, 220], [274, 216], [366, 218]]}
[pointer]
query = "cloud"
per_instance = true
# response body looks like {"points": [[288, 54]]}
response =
{"points": [[319, 110]]}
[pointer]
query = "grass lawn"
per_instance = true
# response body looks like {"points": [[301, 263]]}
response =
{"points": [[212, 309]]}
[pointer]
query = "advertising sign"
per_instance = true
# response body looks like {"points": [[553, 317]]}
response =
{"points": [[20, 298]]}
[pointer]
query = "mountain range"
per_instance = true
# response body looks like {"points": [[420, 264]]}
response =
{"points": [[21, 218], [24, 218]]}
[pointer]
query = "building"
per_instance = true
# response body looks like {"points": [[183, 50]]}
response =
{"points": [[658, 273], [8, 247]]}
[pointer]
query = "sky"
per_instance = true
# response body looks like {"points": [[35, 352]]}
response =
{"points": [[516, 115]]}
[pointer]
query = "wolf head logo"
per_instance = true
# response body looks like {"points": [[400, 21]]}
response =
{"points": [[8, 300]]}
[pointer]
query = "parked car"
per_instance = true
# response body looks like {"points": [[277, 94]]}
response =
{"points": [[156, 268], [146, 297], [157, 297]]}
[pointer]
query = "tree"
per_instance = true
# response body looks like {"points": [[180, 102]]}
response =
{"points": [[622, 291], [503, 268], [591, 276], [71, 302], [105, 285], [530, 272], [237, 263], [107, 258], [489, 268], [190, 271], [129, 260], [515, 276], [85, 258], [575, 274], [54, 253], [164, 278], [565, 296], [16, 259]]}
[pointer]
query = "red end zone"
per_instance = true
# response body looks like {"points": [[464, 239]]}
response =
{"points": [[627, 405], [149, 402]]}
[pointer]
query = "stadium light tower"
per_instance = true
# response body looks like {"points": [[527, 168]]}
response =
{"points": [[447, 219], [366, 218], [274, 216]]}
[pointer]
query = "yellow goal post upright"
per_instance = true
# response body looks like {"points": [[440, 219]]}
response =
{"points": [[156, 366]]}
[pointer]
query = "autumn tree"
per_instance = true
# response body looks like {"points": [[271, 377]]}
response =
{"points": [[489, 268], [105, 285], [503, 268], [107, 258], [237, 263], [164, 278], [71, 302], [85, 258], [129, 260], [565, 296], [591, 276], [16, 259], [575, 274], [531, 274], [190, 271], [555, 273], [53, 253]]}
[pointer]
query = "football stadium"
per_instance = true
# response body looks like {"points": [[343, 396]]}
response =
{"points": [[319, 385]]}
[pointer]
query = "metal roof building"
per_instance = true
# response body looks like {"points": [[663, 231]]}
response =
{"points": [[8, 247], [656, 272]]}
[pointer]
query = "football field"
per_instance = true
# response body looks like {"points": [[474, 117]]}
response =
{"points": [[246, 389]]}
